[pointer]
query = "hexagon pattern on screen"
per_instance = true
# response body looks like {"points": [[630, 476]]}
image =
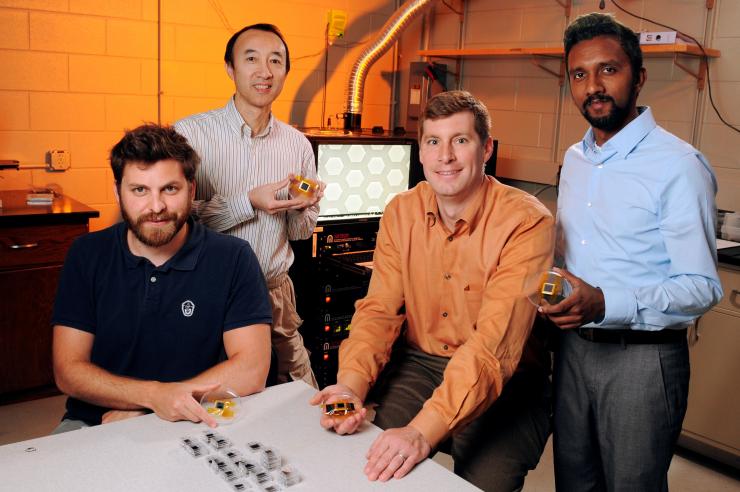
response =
{"points": [[362, 178]]}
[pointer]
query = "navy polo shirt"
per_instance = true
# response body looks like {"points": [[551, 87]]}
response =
{"points": [[161, 323]]}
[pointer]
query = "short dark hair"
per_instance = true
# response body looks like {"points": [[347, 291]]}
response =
{"points": [[448, 103], [149, 144], [229, 54], [589, 26]]}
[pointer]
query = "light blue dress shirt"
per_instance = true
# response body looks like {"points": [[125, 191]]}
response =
{"points": [[636, 218]]}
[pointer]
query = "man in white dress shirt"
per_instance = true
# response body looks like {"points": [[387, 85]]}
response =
{"points": [[249, 158]]}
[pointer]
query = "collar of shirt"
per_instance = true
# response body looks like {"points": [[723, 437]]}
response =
{"points": [[237, 123], [623, 142], [470, 217], [185, 259]]}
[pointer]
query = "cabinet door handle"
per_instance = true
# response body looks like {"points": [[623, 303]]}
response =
{"points": [[24, 246]]}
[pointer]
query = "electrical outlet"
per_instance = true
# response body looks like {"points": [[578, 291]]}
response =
{"points": [[57, 160], [336, 23]]}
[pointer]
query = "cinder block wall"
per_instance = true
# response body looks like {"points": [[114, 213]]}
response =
{"points": [[535, 119], [75, 73]]}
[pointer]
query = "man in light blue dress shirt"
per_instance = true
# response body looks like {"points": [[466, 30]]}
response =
{"points": [[636, 216]]}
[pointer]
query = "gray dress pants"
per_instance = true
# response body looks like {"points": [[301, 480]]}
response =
{"points": [[618, 410]]}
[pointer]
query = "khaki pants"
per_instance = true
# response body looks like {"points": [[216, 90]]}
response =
{"points": [[293, 361]]}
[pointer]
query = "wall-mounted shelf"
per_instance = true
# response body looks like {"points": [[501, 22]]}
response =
{"points": [[567, 4], [556, 52]]}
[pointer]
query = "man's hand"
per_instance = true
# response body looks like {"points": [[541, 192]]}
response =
{"points": [[395, 452], [116, 415], [177, 401], [315, 198], [265, 198], [584, 305], [341, 425]]}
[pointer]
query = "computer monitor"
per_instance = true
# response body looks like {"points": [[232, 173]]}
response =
{"points": [[363, 173]]}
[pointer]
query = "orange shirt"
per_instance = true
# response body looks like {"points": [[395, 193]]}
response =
{"points": [[463, 297]]}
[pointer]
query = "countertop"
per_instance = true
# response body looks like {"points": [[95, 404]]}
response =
{"points": [[63, 210], [728, 252]]}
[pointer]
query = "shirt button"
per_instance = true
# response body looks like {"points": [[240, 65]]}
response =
{"points": [[444, 315], [153, 279], [588, 204], [583, 241], [447, 276], [449, 238], [600, 166], [445, 347]]}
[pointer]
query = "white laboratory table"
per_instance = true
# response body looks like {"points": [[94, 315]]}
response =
{"points": [[144, 453]]}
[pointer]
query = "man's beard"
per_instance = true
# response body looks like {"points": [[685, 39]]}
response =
{"points": [[617, 115], [157, 236]]}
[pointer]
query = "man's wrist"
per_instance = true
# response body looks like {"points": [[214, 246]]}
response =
{"points": [[430, 425], [148, 392], [355, 383]]}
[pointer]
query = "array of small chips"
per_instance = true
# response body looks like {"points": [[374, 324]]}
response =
{"points": [[192, 446], [288, 476], [215, 440], [254, 471], [270, 459]]}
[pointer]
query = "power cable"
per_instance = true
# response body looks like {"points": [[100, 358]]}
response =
{"points": [[326, 76], [451, 8]]}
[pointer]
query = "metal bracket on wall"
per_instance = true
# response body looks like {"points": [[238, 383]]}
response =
{"points": [[538, 59], [566, 4], [700, 76]]}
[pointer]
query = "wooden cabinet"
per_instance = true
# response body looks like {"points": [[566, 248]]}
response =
{"points": [[712, 425], [33, 244]]}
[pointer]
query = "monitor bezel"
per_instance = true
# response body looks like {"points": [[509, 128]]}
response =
{"points": [[416, 173]]}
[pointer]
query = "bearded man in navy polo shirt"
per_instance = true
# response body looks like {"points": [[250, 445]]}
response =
{"points": [[146, 308]]}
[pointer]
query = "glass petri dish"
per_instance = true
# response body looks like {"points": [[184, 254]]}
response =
{"points": [[548, 287], [223, 404]]}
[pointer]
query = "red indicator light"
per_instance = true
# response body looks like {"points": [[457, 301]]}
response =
{"points": [[327, 327], [327, 299], [326, 356]]}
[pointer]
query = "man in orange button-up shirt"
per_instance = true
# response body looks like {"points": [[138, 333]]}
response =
{"points": [[452, 260]]}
